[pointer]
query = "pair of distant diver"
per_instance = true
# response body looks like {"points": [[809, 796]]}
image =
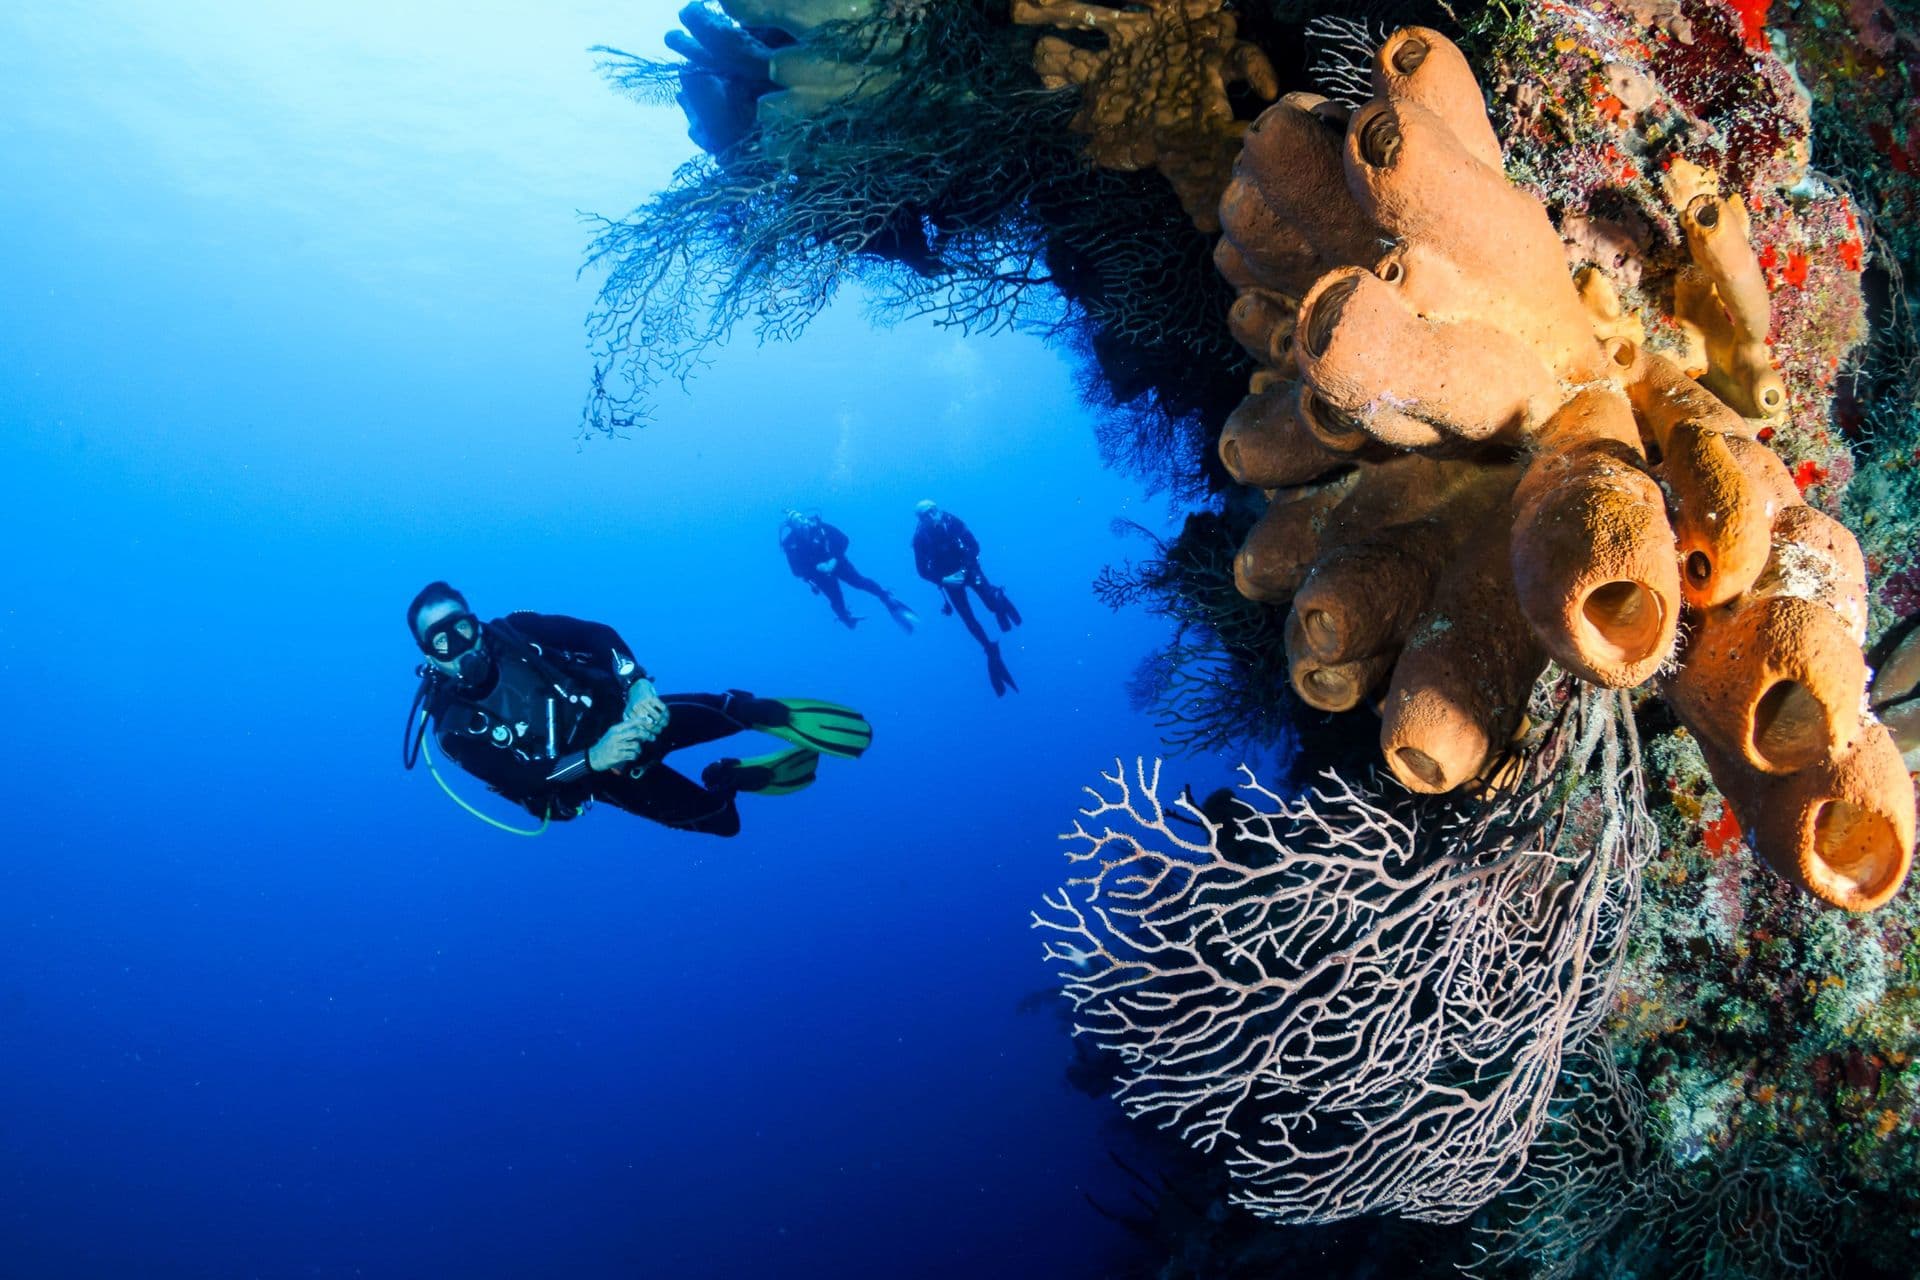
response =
{"points": [[945, 553]]}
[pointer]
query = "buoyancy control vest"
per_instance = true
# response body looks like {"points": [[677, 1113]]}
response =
{"points": [[539, 703]]}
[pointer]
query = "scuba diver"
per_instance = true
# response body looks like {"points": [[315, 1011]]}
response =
{"points": [[553, 713], [948, 555], [817, 554]]}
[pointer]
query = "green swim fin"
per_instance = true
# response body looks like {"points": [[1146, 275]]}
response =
{"points": [[826, 727], [779, 774]]}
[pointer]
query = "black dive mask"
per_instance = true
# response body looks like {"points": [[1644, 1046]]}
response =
{"points": [[456, 639]]}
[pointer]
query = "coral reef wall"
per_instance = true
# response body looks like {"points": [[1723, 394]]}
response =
{"points": [[1709, 208]]}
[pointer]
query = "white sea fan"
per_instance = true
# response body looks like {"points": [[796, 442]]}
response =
{"points": [[1360, 999]]}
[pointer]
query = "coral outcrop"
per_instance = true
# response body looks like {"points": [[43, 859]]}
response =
{"points": [[1154, 95], [1424, 344]]}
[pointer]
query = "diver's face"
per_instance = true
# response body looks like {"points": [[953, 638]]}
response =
{"points": [[451, 639]]}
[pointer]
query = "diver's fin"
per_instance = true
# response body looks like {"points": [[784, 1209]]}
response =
{"points": [[902, 615], [779, 774], [1003, 611], [998, 673], [826, 727]]}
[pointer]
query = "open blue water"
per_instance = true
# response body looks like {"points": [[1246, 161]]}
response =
{"points": [[290, 327]]}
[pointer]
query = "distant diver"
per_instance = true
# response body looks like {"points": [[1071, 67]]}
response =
{"points": [[948, 555], [554, 713], [817, 554]]}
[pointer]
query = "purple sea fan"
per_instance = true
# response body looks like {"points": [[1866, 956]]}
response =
{"points": [[1361, 999]]}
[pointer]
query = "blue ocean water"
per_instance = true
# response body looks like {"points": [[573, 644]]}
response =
{"points": [[291, 327]]}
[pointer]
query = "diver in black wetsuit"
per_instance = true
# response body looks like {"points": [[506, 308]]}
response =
{"points": [[948, 555], [553, 712], [817, 554]]}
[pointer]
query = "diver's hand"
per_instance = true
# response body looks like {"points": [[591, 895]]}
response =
{"points": [[826, 567], [955, 578], [617, 746], [646, 710]]}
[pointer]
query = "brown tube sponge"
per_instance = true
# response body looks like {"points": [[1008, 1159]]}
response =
{"points": [[1775, 684], [1287, 212], [1842, 829], [1441, 356], [1816, 559], [1664, 396], [1460, 687], [1727, 492], [1267, 443], [1412, 382], [1258, 249], [1279, 550], [1261, 320], [1725, 303], [1592, 551], [1364, 598], [1772, 684], [1420, 65], [1411, 175]]}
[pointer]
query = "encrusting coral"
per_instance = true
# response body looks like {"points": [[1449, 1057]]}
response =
{"points": [[1425, 344], [1156, 95]]}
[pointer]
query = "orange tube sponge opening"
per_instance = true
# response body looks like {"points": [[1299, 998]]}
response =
{"points": [[1842, 830], [1775, 684], [1593, 564], [1362, 599], [1331, 686], [1421, 65]]}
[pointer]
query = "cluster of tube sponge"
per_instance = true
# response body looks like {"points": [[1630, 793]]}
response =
{"points": [[1471, 472]]}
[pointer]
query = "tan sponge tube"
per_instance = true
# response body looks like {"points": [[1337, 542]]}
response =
{"points": [[1464, 480]]}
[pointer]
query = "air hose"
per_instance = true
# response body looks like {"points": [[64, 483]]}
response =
{"points": [[414, 746]]}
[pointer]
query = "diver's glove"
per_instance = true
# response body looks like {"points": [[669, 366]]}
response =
{"points": [[826, 567]]}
